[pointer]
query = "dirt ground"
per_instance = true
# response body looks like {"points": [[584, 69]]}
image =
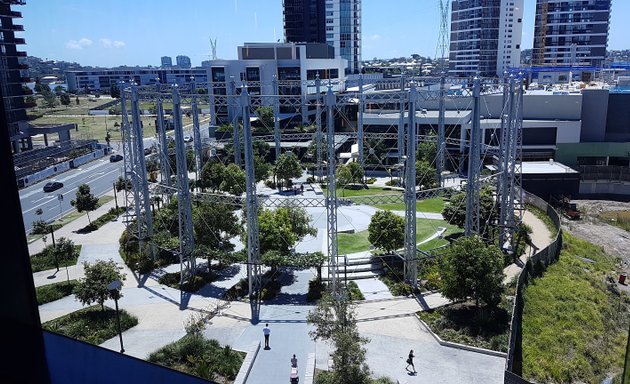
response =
{"points": [[614, 240]]}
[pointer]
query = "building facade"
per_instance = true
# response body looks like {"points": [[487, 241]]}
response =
{"points": [[102, 79], [183, 62], [343, 31], [485, 36], [304, 21], [295, 66], [166, 62], [571, 32], [13, 74]]}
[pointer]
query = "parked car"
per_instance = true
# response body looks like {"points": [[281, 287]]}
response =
{"points": [[115, 158], [52, 186], [188, 139]]}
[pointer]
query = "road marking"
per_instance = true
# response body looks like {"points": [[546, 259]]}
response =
{"points": [[44, 198]]}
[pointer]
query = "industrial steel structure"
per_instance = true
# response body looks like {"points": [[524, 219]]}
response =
{"points": [[470, 148]]}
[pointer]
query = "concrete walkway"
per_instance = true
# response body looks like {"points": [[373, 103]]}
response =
{"points": [[541, 237], [389, 322]]}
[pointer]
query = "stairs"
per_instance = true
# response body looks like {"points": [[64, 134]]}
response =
{"points": [[357, 266]]}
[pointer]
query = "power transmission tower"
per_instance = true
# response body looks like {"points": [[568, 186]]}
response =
{"points": [[331, 198], [213, 48], [253, 245], [443, 38], [196, 129], [184, 208], [411, 266], [474, 171], [165, 168]]}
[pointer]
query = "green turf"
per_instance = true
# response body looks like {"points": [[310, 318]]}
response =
{"points": [[364, 192], [435, 205], [358, 242]]}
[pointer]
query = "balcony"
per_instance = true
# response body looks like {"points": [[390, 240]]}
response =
{"points": [[20, 54], [15, 14]]}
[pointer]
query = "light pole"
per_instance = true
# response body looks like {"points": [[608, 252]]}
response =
{"points": [[114, 289]]}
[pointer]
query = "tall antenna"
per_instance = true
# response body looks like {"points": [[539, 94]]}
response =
{"points": [[443, 39], [213, 47]]}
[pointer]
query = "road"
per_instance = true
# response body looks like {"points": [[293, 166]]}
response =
{"points": [[99, 175]]}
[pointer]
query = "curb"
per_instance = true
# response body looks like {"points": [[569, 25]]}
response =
{"points": [[309, 374], [248, 362], [461, 346]]}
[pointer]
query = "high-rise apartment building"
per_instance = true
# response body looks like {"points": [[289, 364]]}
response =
{"points": [[343, 30], [13, 74], [183, 61], [571, 32], [304, 21], [167, 62], [485, 36]]}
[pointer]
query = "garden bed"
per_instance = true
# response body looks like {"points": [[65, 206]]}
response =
{"points": [[52, 292]]}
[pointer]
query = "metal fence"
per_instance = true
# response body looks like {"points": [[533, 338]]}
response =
{"points": [[534, 266], [604, 172]]}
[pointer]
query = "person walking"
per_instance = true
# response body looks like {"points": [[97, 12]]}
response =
{"points": [[294, 362], [266, 332], [410, 362]]}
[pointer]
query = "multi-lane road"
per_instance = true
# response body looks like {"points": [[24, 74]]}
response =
{"points": [[100, 175]]}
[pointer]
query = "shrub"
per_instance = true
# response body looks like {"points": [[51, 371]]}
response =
{"points": [[310, 180], [271, 290], [65, 251], [198, 281], [354, 292], [237, 291], [270, 184], [371, 180], [315, 289], [52, 292]]}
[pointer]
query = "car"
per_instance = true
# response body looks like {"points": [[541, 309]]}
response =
{"points": [[52, 186], [115, 158], [188, 139]]}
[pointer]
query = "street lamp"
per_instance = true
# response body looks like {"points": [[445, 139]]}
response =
{"points": [[114, 289]]}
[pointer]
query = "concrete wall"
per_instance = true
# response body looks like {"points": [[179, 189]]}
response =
{"points": [[46, 173], [604, 187], [87, 158], [568, 153]]}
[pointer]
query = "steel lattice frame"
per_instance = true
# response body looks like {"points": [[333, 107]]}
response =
{"points": [[474, 167], [407, 100]]}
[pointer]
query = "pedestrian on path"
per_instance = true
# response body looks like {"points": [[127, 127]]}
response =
{"points": [[294, 362], [266, 332], [410, 362]]}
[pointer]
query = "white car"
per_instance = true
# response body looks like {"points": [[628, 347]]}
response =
{"points": [[188, 139]]}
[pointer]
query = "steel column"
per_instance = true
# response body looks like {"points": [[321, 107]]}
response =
{"points": [[360, 121], [318, 123], [441, 139], [474, 155], [331, 198], [276, 114], [196, 131], [411, 266]]}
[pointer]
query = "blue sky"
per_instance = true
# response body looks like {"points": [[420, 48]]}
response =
{"points": [[139, 32]]}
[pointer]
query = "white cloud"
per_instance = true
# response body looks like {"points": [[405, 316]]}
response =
{"points": [[108, 43], [375, 37], [78, 44]]}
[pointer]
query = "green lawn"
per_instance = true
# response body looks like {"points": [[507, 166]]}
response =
{"points": [[44, 260], [574, 328], [364, 192], [52, 292], [434, 205], [358, 242], [91, 324]]}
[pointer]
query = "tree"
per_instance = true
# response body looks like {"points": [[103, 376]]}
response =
{"points": [[122, 184], [42, 88], [281, 228], [114, 91], [262, 169], [335, 320], [427, 149], [288, 167], [349, 174], [233, 180], [426, 176], [58, 90], [470, 269], [265, 114], [93, 287], [454, 211], [31, 100], [64, 98], [77, 100], [85, 200], [374, 151], [212, 174], [50, 99], [214, 224], [386, 231]]}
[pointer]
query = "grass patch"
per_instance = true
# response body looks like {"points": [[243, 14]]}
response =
{"points": [[465, 324], [201, 357], [352, 192], [92, 324], [542, 215], [619, 219], [73, 215], [358, 241], [435, 205], [354, 292], [45, 259], [198, 282], [102, 220], [52, 292], [575, 322]]}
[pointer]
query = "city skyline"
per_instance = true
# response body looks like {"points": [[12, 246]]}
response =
{"points": [[68, 30]]}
